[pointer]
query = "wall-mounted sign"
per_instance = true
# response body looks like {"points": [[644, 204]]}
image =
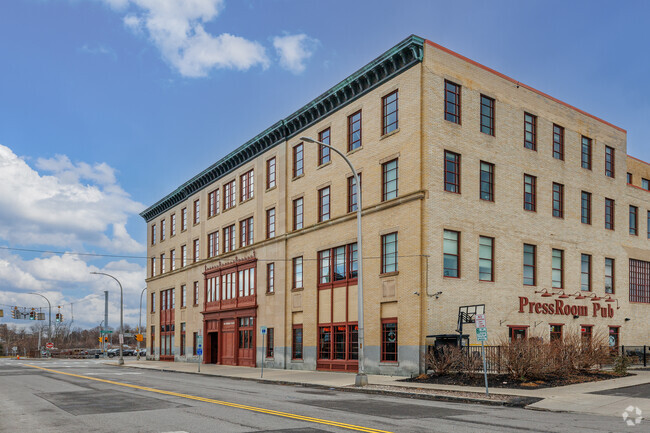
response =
{"points": [[558, 307]]}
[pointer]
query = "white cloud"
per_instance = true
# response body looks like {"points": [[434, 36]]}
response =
{"points": [[75, 205], [176, 27], [294, 50]]}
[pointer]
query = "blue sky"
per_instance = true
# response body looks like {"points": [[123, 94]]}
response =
{"points": [[108, 105]]}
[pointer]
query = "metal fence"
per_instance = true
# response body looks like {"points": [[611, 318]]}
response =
{"points": [[639, 355]]}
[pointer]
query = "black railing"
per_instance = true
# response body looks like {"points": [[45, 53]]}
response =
{"points": [[639, 355]]}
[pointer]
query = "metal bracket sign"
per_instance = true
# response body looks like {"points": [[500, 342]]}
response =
{"points": [[481, 335]]}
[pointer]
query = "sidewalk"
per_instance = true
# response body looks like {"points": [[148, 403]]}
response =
{"points": [[572, 398]]}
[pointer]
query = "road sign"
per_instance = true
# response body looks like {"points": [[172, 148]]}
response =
{"points": [[263, 328], [480, 320], [128, 334], [106, 331], [481, 334], [199, 352], [14, 349], [121, 338], [50, 345]]}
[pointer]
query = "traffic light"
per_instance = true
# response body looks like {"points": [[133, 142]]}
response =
{"points": [[100, 339], [32, 315], [58, 317], [14, 312], [105, 339]]}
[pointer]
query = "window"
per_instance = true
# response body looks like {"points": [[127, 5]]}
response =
{"points": [[172, 259], [586, 333], [558, 200], [517, 332], [246, 232], [648, 224], [452, 102], [609, 161], [296, 342], [229, 238], [298, 168], [389, 180], [639, 281], [451, 254], [162, 263], [246, 332], [530, 265], [324, 342], [487, 115], [153, 266], [585, 272], [183, 296], [184, 219], [352, 193], [609, 214], [337, 264], [196, 250], [586, 153], [556, 333], [214, 204], [354, 131], [183, 256], [389, 340], [270, 278], [297, 213], [246, 185], [229, 199], [389, 253], [557, 269], [609, 275], [614, 334], [153, 234], [270, 173], [213, 244], [558, 142], [323, 151], [297, 272], [195, 342], [153, 302], [452, 172], [585, 208], [197, 213], [172, 225], [389, 111], [629, 178], [485, 258], [196, 293], [634, 220], [163, 229], [645, 183], [324, 204], [269, 342], [270, 223], [530, 131], [487, 181], [182, 339], [530, 194]]}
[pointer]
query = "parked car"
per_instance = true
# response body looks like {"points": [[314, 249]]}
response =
{"points": [[143, 352], [128, 352], [113, 352]]}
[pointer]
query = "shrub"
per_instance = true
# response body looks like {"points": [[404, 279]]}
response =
{"points": [[445, 359], [621, 363]]}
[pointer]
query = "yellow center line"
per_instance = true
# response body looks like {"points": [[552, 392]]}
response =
{"points": [[221, 403]]}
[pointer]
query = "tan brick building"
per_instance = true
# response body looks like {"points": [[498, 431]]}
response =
{"points": [[476, 190]]}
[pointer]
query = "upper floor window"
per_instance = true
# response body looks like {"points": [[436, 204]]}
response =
{"points": [[246, 232], [184, 219], [172, 260], [389, 253], [530, 194], [153, 302], [451, 254], [197, 251], [324, 204], [530, 131], [163, 263], [609, 161], [609, 275], [530, 265], [558, 142], [352, 193], [609, 213], [324, 151], [648, 223], [163, 229], [558, 200], [557, 269], [297, 272], [585, 207], [298, 162], [196, 293], [172, 225], [270, 223], [452, 172], [229, 198], [452, 102], [213, 244], [389, 111], [154, 234], [246, 183], [389, 180], [634, 220], [645, 183], [183, 297], [214, 202], [270, 277], [183, 255], [485, 258], [297, 213], [153, 266], [586, 153], [487, 181], [629, 178], [229, 238], [270, 173], [585, 272], [639, 281], [197, 214], [337, 264], [487, 115], [354, 131]]}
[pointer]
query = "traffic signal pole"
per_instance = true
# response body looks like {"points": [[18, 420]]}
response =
{"points": [[49, 327]]}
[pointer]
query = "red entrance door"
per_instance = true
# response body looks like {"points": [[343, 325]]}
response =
{"points": [[228, 342], [246, 343]]}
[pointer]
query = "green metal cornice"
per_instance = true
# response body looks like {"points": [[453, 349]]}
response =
{"points": [[385, 67]]}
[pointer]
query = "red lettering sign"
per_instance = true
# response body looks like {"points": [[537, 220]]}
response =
{"points": [[559, 308]]}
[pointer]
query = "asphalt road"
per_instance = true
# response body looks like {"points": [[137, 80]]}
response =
{"points": [[87, 395]]}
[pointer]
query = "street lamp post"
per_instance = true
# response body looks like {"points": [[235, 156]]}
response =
{"points": [[361, 378], [121, 338], [140, 320], [49, 326]]}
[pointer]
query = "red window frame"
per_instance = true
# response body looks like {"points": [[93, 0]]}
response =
{"points": [[610, 209], [514, 328], [183, 296], [229, 198], [298, 213], [154, 234], [452, 102], [585, 207], [213, 244], [153, 266], [197, 211], [389, 349], [610, 161], [270, 173], [558, 200], [246, 186], [450, 272], [585, 152], [558, 142], [324, 152], [270, 278], [610, 285], [246, 232], [296, 343], [532, 251], [354, 131], [389, 260], [559, 269], [585, 272], [162, 264], [389, 187], [214, 198], [330, 262], [389, 119], [555, 330], [153, 302], [324, 204], [270, 223], [163, 227], [172, 225], [270, 349], [586, 333], [172, 259], [487, 115], [298, 161], [352, 193], [196, 293], [530, 193], [183, 219], [452, 172], [229, 240], [530, 131]]}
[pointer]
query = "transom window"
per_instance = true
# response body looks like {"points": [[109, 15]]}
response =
{"points": [[530, 131], [354, 131], [452, 102], [452, 172], [389, 180], [389, 110], [487, 115]]}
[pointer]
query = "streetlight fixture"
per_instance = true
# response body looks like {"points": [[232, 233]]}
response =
{"points": [[140, 320], [49, 326], [121, 338], [361, 378]]}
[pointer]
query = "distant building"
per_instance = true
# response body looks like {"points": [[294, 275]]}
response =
{"points": [[477, 190]]}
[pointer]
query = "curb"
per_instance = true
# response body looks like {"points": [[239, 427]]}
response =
{"points": [[515, 401]]}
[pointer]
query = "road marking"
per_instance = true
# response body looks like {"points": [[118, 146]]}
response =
{"points": [[223, 403], [114, 374]]}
